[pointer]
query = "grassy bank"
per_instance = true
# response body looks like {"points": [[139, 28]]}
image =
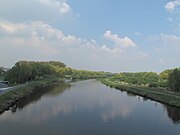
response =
{"points": [[156, 94], [11, 97]]}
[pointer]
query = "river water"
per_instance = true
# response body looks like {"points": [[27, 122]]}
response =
{"points": [[89, 108]]}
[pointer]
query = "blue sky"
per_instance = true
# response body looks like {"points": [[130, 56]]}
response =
{"points": [[125, 16], [109, 35]]}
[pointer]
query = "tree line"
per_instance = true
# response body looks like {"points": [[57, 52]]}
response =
{"points": [[141, 78], [174, 80], [169, 79], [24, 71]]}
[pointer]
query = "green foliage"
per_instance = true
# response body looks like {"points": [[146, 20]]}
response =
{"points": [[163, 78], [57, 64], [163, 83], [157, 94], [84, 74], [153, 84], [167, 78], [164, 75], [24, 71], [174, 80], [141, 78]]}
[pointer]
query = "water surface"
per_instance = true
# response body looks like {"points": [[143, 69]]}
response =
{"points": [[89, 108]]}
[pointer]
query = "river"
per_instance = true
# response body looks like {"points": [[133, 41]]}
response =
{"points": [[89, 108]]}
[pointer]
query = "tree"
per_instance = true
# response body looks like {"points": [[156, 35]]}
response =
{"points": [[57, 63], [24, 71], [164, 75], [174, 80], [141, 78]]}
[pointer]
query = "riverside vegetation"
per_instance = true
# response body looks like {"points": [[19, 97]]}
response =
{"points": [[38, 75], [163, 88], [10, 98], [24, 71]]}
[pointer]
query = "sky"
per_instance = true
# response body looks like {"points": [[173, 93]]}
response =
{"points": [[101, 35]]}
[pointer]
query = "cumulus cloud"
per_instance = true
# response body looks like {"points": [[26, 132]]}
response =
{"points": [[171, 6], [172, 40], [29, 34], [40, 41], [120, 42], [53, 12], [7, 27], [61, 5]]}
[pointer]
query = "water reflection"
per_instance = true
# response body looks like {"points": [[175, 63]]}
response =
{"points": [[34, 97], [130, 94], [85, 98], [173, 114], [88, 107], [91, 99]]}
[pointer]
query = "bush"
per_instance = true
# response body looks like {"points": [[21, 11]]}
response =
{"points": [[153, 85]]}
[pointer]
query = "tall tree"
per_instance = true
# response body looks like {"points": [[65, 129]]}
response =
{"points": [[174, 80]]}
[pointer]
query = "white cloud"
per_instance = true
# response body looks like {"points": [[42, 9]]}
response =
{"points": [[138, 33], [6, 27], [54, 12], [172, 40], [120, 42], [38, 41], [61, 5], [10, 27], [28, 34], [171, 6]]}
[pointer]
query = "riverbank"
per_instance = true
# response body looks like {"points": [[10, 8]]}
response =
{"points": [[10, 98], [156, 94]]}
